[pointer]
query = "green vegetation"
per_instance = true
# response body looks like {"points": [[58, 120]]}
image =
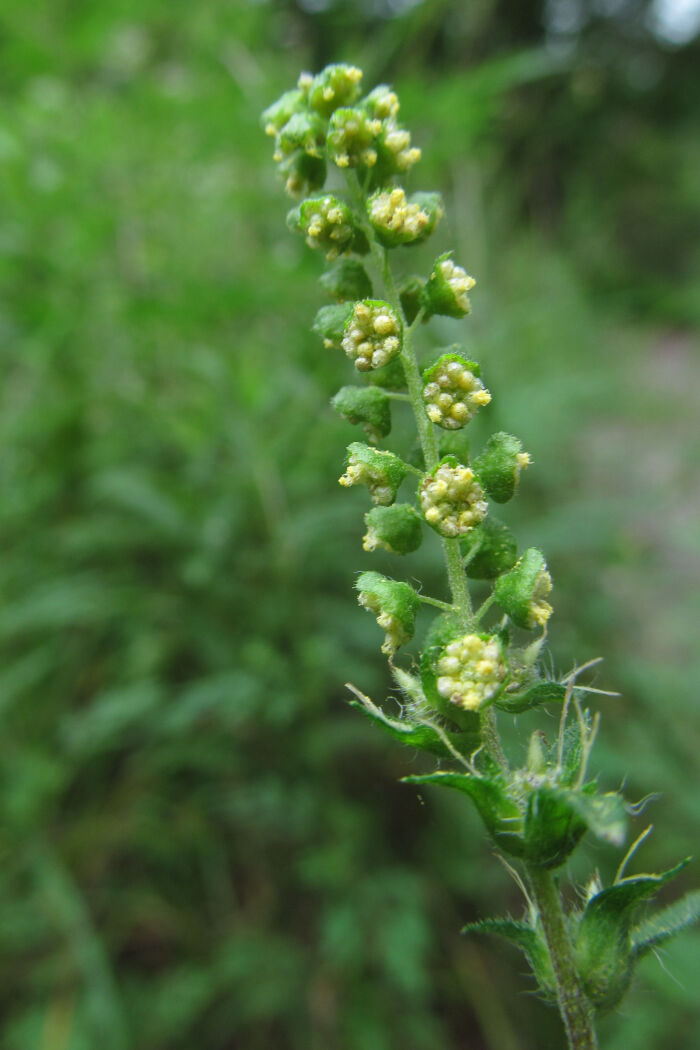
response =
{"points": [[201, 842]]}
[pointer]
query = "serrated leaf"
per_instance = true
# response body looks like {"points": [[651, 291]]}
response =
{"points": [[501, 817], [665, 924], [621, 899]]}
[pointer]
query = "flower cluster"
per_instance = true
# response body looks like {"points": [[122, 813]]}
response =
{"points": [[452, 391], [471, 662], [471, 671], [452, 500], [372, 335]]}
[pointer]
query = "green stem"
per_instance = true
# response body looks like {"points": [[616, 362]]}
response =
{"points": [[489, 733], [576, 1012]]}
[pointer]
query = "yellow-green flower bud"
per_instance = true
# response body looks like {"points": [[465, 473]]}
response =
{"points": [[489, 549], [395, 154], [453, 391], [366, 405], [397, 220], [382, 103], [451, 498], [328, 224], [382, 472], [499, 466], [397, 529], [334, 86], [471, 671], [303, 131], [330, 323], [447, 288], [352, 139], [372, 335], [280, 112], [347, 280], [393, 603], [523, 591]]}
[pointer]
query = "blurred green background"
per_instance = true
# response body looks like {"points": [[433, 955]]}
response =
{"points": [[200, 843]]}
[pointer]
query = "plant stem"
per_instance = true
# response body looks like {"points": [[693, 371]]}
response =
{"points": [[576, 1012]]}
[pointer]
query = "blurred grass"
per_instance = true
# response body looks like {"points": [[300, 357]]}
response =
{"points": [[200, 843]]}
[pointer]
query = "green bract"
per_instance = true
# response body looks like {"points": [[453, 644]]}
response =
{"points": [[522, 592], [489, 549], [330, 323], [382, 472], [366, 405], [395, 605], [499, 466], [347, 279], [397, 529]]}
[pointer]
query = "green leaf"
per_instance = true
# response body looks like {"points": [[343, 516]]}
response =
{"points": [[528, 939], [531, 696], [602, 945], [605, 815], [553, 828], [501, 816], [421, 736], [665, 924]]}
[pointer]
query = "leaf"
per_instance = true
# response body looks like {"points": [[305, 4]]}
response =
{"points": [[502, 818], [553, 828], [604, 954], [528, 939], [424, 737], [533, 696], [665, 924]]}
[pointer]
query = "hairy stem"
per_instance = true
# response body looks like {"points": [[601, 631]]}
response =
{"points": [[576, 1012]]}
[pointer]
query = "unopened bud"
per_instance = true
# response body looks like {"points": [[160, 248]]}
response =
{"points": [[397, 529], [328, 224], [352, 139], [347, 280], [334, 86], [330, 323], [523, 591], [393, 603], [382, 472], [447, 289], [489, 549], [499, 466]]}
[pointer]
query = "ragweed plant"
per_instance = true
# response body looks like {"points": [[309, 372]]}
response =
{"points": [[474, 664]]}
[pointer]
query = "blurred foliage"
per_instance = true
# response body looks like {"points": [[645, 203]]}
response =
{"points": [[201, 843]]}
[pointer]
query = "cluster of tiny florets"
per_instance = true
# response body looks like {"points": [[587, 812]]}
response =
{"points": [[391, 211], [395, 632], [459, 282], [327, 227], [470, 671], [452, 500], [372, 336], [453, 395], [351, 137]]}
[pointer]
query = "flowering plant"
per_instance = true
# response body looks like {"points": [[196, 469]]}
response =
{"points": [[474, 664]]}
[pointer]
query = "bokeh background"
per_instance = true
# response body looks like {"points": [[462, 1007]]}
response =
{"points": [[200, 843]]}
